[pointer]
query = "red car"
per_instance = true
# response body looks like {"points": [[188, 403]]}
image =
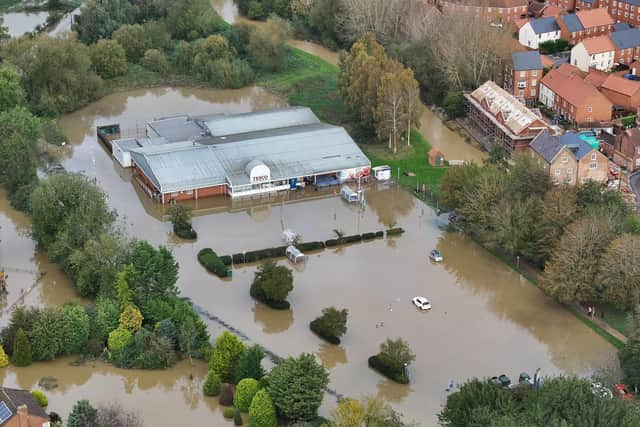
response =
{"points": [[622, 391]]}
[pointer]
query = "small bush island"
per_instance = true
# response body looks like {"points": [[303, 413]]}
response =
{"points": [[395, 231], [210, 260], [387, 367], [331, 325], [271, 285]]}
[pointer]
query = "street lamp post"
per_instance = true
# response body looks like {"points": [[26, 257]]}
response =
{"points": [[406, 372]]}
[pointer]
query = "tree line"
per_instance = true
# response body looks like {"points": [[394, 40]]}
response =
{"points": [[585, 239], [448, 53]]}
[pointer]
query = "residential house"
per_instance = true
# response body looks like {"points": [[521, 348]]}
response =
{"points": [[624, 147], [568, 159], [627, 43], [585, 24], [497, 11], [627, 11], [622, 92], [523, 75], [18, 408], [597, 52], [564, 91], [565, 5], [538, 31], [502, 118]]}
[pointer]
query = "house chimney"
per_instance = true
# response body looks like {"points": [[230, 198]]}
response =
{"points": [[23, 415]]}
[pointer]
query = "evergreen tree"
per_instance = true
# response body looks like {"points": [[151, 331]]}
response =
{"points": [[21, 349], [82, 415], [250, 364]]}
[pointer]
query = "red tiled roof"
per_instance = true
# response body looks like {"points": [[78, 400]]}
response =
{"points": [[621, 85], [551, 10], [547, 61], [598, 44], [590, 18], [568, 86], [596, 77], [571, 70]]}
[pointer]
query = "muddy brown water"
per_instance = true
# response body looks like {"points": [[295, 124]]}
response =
{"points": [[486, 319]]}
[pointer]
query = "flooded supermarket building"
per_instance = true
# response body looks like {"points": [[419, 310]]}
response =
{"points": [[245, 154]]}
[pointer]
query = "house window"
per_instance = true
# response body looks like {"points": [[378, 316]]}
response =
{"points": [[557, 172], [626, 14], [533, 92], [564, 159], [593, 157], [589, 109], [522, 84], [593, 165], [534, 82], [570, 171], [534, 73], [523, 74]]}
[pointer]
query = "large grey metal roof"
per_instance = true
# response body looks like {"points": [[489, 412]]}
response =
{"points": [[177, 128], [223, 124], [289, 152]]}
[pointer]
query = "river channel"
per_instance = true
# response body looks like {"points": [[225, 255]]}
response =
{"points": [[486, 318]]}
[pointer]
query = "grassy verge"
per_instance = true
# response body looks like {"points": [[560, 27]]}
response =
{"points": [[139, 77], [616, 318], [312, 82], [579, 315]]}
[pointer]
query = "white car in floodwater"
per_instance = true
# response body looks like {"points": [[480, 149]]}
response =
{"points": [[422, 303], [436, 256]]}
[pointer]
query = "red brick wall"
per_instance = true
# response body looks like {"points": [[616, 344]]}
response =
{"points": [[630, 103], [600, 109], [202, 193]]}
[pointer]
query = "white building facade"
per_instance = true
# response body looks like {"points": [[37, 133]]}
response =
{"points": [[538, 31]]}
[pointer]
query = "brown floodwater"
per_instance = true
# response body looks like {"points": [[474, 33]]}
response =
{"points": [[486, 318]]}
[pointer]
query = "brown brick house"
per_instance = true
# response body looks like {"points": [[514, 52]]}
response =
{"points": [[564, 91], [575, 27], [568, 159], [622, 92], [624, 147], [499, 11], [522, 76], [18, 408]]}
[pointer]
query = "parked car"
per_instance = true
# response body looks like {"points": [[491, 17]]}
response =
{"points": [[525, 379], [599, 390], [622, 391], [422, 303], [436, 256], [501, 380]]}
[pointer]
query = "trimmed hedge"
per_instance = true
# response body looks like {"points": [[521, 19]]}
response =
{"points": [[368, 236], [259, 255], [210, 261], [352, 239], [226, 260], [388, 368], [315, 328], [394, 231], [185, 233], [310, 246], [331, 243], [379, 233]]}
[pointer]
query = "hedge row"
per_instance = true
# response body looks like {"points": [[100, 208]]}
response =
{"points": [[280, 251], [319, 331], [209, 260], [388, 368], [394, 231]]}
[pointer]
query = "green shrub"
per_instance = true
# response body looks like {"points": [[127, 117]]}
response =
{"points": [[108, 58], [167, 329], [388, 368], [262, 412], [394, 231], [246, 389], [95, 347], [237, 417], [21, 349], [119, 338], [229, 413], [225, 355], [211, 386], [310, 246], [368, 236], [210, 261], [4, 359], [226, 260], [250, 364], [352, 239], [316, 327], [52, 133], [226, 395], [155, 60], [40, 398], [379, 233], [331, 243]]}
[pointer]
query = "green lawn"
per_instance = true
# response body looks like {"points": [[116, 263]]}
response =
{"points": [[615, 317], [313, 82]]}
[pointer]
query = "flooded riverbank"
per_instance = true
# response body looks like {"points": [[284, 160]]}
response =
{"points": [[486, 318]]}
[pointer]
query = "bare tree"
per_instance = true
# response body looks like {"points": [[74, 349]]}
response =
{"points": [[114, 415]]}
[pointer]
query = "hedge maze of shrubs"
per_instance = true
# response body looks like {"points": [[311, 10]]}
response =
{"points": [[215, 264]]}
